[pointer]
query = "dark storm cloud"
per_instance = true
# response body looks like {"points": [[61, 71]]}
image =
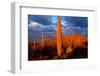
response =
{"points": [[42, 28], [77, 21], [44, 20], [34, 35], [74, 30], [79, 30], [36, 32], [48, 24], [74, 25], [48, 29]]}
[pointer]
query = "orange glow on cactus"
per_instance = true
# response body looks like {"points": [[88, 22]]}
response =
{"points": [[59, 38]]}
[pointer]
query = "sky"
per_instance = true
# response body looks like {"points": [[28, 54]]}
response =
{"points": [[48, 24]]}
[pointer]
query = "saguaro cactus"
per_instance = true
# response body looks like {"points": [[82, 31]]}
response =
{"points": [[43, 39], [34, 43], [59, 38]]}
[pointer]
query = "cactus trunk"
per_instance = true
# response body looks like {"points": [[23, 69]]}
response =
{"points": [[59, 38]]}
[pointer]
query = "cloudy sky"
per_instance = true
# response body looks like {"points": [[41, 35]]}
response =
{"points": [[48, 24]]}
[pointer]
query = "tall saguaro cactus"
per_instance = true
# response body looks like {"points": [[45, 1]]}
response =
{"points": [[59, 38]]}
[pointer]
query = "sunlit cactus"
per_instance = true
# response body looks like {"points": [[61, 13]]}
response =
{"points": [[43, 40], [59, 38], [69, 50]]}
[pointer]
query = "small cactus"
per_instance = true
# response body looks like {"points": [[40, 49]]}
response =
{"points": [[34, 43], [43, 40]]}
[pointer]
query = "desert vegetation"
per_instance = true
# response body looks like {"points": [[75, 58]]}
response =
{"points": [[73, 46]]}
